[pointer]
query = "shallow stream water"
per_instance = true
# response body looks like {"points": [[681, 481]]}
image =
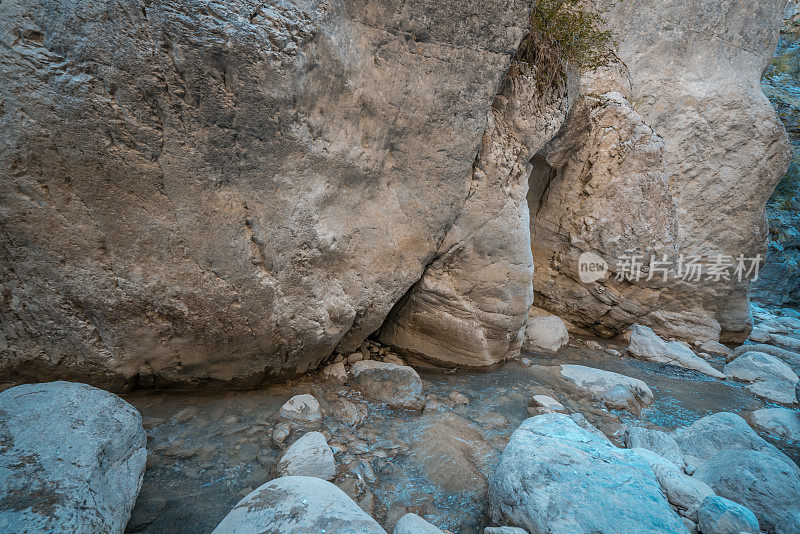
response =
{"points": [[207, 450]]}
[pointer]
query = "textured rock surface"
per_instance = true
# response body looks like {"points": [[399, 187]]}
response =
{"points": [[453, 453], [792, 359], [399, 386], [719, 515], [778, 422], [471, 305], [201, 193], [555, 477], [656, 441], [414, 524], [684, 493], [766, 376], [708, 437], [309, 456], [647, 345], [298, 505], [613, 389], [545, 334], [72, 459], [302, 408], [654, 173]]}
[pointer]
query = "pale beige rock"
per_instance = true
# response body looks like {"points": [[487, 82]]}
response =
{"points": [[302, 408], [72, 458], [226, 193], [766, 376], [545, 334], [651, 171], [647, 345], [613, 389], [335, 371], [399, 386], [309, 456], [471, 306]]}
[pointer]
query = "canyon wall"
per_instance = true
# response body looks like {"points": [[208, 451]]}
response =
{"points": [[678, 161], [198, 193]]}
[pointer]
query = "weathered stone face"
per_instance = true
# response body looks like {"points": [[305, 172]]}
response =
{"points": [[224, 192], [716, 151]]}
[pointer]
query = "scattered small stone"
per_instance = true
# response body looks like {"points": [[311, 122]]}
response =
{"points": [[391, 357], [335, 371], [349, 413], [504, 530], [547, 403], [458, 398], [281, 432], [594, 345], [302, 408], [355, 357]]}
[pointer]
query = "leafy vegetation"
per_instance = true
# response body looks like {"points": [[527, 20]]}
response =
{"points": [[563, 33]]}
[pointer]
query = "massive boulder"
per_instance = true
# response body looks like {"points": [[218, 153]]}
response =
{"points": [[199, 193], [72, 458], [556, 477], [762, 482], [653, 174]]}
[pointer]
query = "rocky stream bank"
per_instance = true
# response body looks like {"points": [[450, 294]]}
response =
{"points": [[595, 437]]}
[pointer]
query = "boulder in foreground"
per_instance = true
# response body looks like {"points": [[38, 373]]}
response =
{"points": [[297, 505], [556, 477], [718, 515], [72, 459]]}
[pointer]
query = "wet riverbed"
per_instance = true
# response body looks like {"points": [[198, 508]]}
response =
{"points": [[208, 450]]}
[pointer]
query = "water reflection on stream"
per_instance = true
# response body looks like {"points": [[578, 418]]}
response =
{"points": [[209, 449]]}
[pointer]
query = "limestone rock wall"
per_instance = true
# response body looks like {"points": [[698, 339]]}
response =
{"points": [[198, 192], [471, 305], [716, 152]]}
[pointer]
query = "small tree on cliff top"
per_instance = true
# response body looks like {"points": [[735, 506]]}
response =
{"points": [[563, 33]]}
